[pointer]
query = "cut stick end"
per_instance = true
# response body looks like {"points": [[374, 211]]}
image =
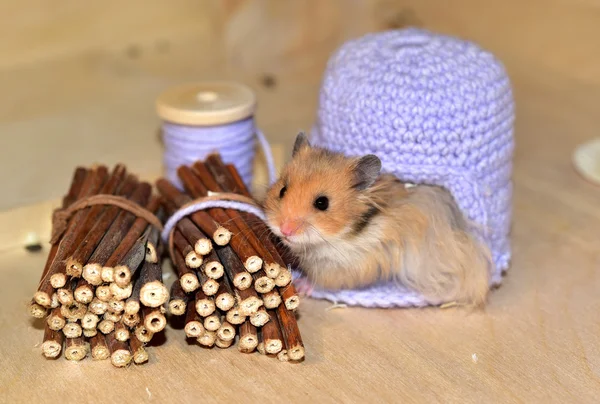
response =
{"points": [[207, 339], [222, 236], [242, 280], [296, 353], [51, 349], [214, 270], [177, 307], [121, 358], [210, 287], [253, 264], [189, 282], [93, 274], [259, 318], [42, 298], [84, 295], [284, 278], [37, 310], [194, 329], [74, 268], [193, 260], [132, 307], [151, 254], [154, 294], [264, 284], [203, 246], [292, 302], [108, 275], [76, 352], [122, 276], [140, 356], [100, 353], [225, 301], [205, 307], [273, 346], [58, 280], [272, 270], [223, 344], [250, 305]]}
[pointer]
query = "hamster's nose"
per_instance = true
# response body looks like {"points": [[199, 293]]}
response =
{"points": [[289, 227]]}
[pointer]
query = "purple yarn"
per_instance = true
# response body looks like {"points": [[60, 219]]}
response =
{"points": [[436, 110], [183, 212], [184, 145]]}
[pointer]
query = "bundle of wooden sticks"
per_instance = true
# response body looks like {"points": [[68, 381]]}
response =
{"points": [[101, 291], [233, 279]]}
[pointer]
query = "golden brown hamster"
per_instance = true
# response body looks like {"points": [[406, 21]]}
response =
{"points": [[351, 226]]}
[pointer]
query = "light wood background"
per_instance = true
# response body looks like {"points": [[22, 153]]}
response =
{"points": [[79, 81]]}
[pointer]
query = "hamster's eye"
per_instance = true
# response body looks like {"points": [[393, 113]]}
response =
{"points": [[322, 203], [282, 192]]}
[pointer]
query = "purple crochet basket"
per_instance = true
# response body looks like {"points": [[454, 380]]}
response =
{"points": [[436, 110]]}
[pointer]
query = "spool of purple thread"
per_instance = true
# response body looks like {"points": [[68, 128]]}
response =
{"points": [[207, 117]]}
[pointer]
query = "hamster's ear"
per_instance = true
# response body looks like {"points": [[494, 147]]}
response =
{"points": [[301, 142], [366, 171]]}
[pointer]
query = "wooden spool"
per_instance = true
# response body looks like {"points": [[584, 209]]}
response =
{"points": [[206, 103]]}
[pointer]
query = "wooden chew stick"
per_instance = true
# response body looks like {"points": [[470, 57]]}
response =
{"points": [[224, 298], [103, 293], [90, 333], [209, 286], [272, 299], [131, 320], [154, 319], [194, 326], [212, 266], [248, 300], [142, 333], [100, 350], [117, 230], [205, 305], [76, 229], [187, 277], [53, 342], [65, 294], [112, 316], [90, 321], [72, 330], [132, 305], [201, 219], [75, 349], [84, 293], [259, 318], [291, 333], [198, 183], [208, 338], [212, 322], [121, 331], [192, 259], [93, 237], [139, 352], [106, 326], [226, 332], [153, 247], [37, 311], [98, 307], [178, 302], [234, 316], [233, 267], [73, 311], [119, 293], [120, 355], [135, 231], [253, 226], [248, 338], [271, 333], [126, 266], [153, 292], [223, 344]]}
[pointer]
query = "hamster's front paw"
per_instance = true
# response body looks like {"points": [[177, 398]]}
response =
{"points": [[303, 286]]}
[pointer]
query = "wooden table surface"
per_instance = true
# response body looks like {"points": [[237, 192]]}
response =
{"points": [[538, 339]]}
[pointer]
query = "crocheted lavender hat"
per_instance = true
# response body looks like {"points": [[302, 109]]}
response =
{"points": [[436, 110]]}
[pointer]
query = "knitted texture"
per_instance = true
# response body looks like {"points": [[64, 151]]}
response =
{"points": [[436, 110]]}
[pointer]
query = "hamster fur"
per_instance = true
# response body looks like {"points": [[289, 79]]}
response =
{"points": [[350, 226]]}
